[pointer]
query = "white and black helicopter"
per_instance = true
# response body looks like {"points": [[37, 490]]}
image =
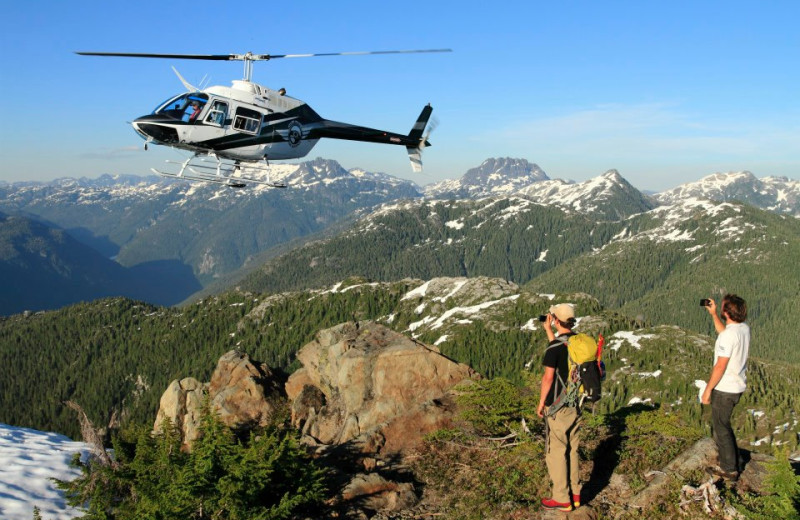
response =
{"points": [[231, 130]]}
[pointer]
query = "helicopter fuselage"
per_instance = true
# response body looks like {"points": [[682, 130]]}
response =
{"points": [[250, 122]]}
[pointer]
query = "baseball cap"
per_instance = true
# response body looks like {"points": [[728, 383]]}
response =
{"points": [[563, 311]]}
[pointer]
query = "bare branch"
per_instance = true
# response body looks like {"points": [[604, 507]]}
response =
{"points": [[91, 436]]}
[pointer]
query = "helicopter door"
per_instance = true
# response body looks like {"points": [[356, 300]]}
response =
{"points": [[218, 113]]}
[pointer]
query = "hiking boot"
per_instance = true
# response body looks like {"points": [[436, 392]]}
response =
{"points": [[730, 476], [549, 503], [576, 500]]}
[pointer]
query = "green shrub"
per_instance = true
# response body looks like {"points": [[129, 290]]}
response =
{"points": [[471, 477], [783, 493], [266, 476], [649, 439], [496, 406]]}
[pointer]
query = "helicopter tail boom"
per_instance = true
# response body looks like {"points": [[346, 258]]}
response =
{"points": [[414, 142]]}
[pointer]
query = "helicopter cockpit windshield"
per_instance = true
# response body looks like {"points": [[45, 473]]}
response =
{"points": [[186, 107]]}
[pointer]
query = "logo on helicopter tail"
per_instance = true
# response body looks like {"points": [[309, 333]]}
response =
{"points": [[295, 134]]}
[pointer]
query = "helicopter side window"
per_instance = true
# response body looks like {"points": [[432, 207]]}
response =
{"points": [[217, 114], [247, 120]]}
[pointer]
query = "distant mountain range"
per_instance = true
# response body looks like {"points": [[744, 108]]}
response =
{"points": [[42, 267], [195, 234], [655, 265], [205, 230]]}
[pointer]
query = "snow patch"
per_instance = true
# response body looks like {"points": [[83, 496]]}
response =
{"points": [[458, 285], [649, 374], [618, 338], [455, 224], [474, 309], [28, 460], [418, 292], [529, 325]]}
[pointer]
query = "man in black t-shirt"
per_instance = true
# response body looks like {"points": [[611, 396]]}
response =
{"points": [[562, 426]]}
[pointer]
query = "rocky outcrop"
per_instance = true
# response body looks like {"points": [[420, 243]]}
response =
{"points": [[699, 456], [181, 404], [244, 394], [368, 385]]}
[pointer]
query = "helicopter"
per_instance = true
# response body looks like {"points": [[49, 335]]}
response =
{"points": [[238, 129]]}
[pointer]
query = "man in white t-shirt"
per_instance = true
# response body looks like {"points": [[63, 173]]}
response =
{"points": [[728, 379]]}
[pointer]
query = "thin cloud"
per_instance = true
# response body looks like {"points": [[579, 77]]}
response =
{"points": [[116, 153], [639, 130]]}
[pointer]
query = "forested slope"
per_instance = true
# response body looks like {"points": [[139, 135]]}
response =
{"points": [[510, 238], [659, 273], [119, 356]]}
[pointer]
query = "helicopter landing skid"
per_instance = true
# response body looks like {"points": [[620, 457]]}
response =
{"points": [[220, 173]]}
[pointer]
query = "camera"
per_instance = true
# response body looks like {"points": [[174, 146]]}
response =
{"points": [[543, 318], [705, 302]]}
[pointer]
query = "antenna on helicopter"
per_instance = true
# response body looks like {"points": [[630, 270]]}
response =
{"points": [[189, 86]]}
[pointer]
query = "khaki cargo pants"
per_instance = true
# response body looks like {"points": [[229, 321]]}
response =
{"points": [[561, 456]]}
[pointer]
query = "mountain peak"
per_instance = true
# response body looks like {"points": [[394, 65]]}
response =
{"points": [[608, 195], [494, 177], [772, 193], [612, 175], [505, 167], [327, 168]]}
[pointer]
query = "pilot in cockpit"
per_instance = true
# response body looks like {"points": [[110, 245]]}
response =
{"points": [[192, 111]]}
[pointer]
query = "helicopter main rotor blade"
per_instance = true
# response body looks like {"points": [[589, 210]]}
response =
{"points": [[249, 56], [356, 53], [218, 57]]}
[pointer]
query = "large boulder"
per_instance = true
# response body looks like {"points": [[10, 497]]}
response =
{"points": [[368, 385], [181, 404], [244, 394]]}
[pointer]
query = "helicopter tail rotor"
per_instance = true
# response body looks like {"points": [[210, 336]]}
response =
{"points": [[434, 122]]}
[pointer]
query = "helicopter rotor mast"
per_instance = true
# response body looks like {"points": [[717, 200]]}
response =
{"points": [[249, 57]]}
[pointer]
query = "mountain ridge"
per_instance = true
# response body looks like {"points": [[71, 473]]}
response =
{"points": [[147, 221], [43, 267]]}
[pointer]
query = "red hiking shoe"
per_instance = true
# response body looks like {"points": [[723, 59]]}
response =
{"points": [[549, 503]]}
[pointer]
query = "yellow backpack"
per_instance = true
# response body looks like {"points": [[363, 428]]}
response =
{"points": [[583, 373]]}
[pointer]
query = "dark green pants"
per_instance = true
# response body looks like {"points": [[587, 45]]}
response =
{"points": [[722, 404]]}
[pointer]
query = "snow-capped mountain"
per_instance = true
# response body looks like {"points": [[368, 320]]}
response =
{"points": [[494, 177], [608, 196], [778, 194], [303, 176], [212, 229]]}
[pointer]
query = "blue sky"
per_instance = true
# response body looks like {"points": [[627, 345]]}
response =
{"points": [[664, 92]]}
